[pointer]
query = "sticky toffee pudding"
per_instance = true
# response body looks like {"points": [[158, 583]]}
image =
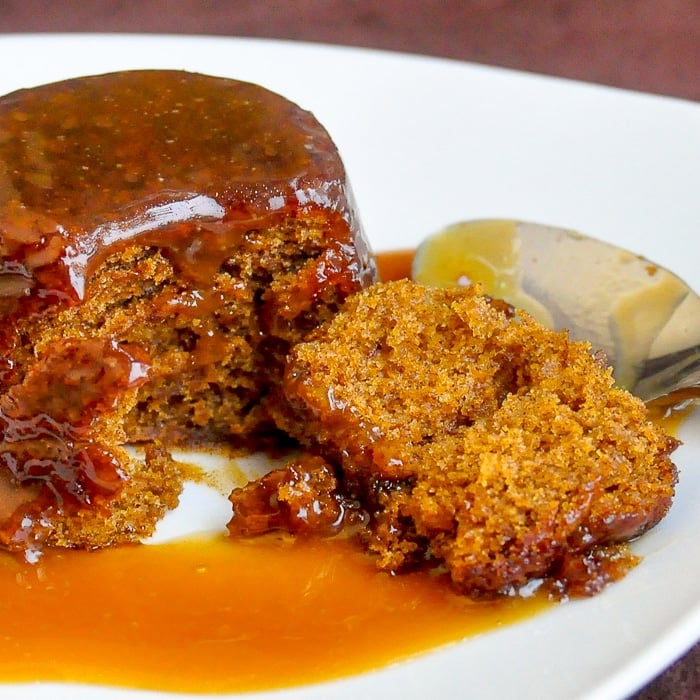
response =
{"points": [[182, 266], [165, 238]]}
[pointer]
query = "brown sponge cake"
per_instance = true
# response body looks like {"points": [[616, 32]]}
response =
{"points": [[165, 238], [473, 437]]}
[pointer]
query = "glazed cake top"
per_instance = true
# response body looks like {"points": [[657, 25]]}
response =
{"points": [[208, 171], [91, 163]]}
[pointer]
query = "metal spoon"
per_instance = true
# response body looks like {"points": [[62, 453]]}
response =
{"points": [[644, 317]]}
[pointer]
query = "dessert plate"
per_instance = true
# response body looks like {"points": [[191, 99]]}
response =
{"points": [[428, 142]]}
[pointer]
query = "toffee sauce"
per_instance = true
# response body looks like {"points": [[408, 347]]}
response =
{"points": [[195, 166], [220, 615], [214, 616]]}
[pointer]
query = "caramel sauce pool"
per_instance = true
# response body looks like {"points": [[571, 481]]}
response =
{"points": [[217, 615]]}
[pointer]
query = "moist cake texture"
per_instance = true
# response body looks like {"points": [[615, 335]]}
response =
{"points": [[471, 437], [164, 238]]}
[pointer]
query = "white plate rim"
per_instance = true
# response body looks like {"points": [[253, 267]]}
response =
{"points": [[602, 137]]}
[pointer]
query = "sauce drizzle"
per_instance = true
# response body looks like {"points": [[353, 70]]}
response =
{"points": [[218, 616]]}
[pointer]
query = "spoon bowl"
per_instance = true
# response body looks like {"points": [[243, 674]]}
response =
{"points": [[645, 318]]}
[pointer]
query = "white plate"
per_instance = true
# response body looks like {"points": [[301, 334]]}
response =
{"points": [[428, 142]]}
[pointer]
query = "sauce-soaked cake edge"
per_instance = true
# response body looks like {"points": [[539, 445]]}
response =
{"points": [[205, 221], [472, 438]]}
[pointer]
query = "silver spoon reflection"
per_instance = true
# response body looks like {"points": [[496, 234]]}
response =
{"points": [[644, 317]]}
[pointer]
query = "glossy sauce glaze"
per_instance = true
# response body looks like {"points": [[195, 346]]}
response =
{"points": [[187, 163], [194, 167], [222, 615], [74, 391], [89, 165]]}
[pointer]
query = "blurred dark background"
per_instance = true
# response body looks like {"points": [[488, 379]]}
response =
{"points": [[649, 45]]}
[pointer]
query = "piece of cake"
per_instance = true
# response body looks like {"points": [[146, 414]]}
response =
{"points": [[472, 437], [164, 238]]}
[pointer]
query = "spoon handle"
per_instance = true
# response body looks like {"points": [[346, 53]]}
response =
{"points": [[675, 371]]}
